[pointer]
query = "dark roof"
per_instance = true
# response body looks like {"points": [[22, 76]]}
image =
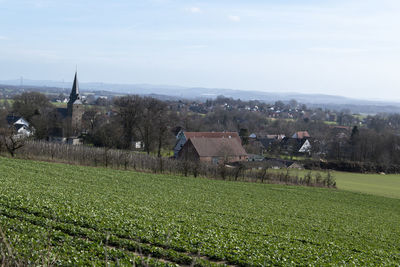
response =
{"points": [[293, 141], [266, 142], [177, 130], [11, 119], [279, 162], [18, 126], [217, 147], [226, 135], [275, 163]]}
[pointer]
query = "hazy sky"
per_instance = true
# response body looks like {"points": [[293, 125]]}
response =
{"points": [[343, 47]]}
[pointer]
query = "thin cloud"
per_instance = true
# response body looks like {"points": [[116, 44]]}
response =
{"points": [[234, 18], [42, 3], [193, 9], [195, 47], [73, 19], [3, 38], [339, 50]]}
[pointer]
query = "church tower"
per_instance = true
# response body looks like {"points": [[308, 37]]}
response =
{"points": [[75, 106]]}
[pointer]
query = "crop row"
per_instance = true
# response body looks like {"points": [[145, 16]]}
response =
{"points": [[31, 244], [279, 245], [106, 238], [183, 220]]}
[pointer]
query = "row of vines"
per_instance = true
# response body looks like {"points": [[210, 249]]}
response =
{"points": [[129, 160]]}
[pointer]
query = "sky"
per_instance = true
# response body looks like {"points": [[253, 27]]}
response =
{"points": [[338, 47]]}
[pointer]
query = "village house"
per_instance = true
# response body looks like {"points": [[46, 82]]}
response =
{"points": [[21, 126], [305, 147], [301, 135], [213, 150], [183, 136], [267, 141], [298, 143]]}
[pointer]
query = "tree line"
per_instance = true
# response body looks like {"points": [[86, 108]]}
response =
{"points": [[122, 121]]}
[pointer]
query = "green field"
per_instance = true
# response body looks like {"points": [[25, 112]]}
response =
{"points": [[375, 184], [74, 215], [331, 122], [10, 101], [59, 105]]}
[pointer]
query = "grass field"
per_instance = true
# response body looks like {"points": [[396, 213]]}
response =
{"points": [[10, 101], [375, 184], [73, 215], [59, 105], [56, 104]]}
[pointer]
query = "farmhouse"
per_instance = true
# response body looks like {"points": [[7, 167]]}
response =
{"points": [[215, 150], [21, 126], [296, 145], [183, 136]]}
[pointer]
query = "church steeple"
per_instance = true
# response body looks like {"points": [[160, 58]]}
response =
{"points": [[75, 107], [75, 91]]}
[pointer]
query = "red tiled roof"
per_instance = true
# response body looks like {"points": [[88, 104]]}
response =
{"points": [[228, 135], [217, 147], [302, 134]]}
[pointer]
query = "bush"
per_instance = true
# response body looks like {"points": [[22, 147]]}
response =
{"points": [[351, 166]]}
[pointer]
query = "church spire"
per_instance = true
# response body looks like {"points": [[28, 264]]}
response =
{"points": [[75, 108], [75, 90]]}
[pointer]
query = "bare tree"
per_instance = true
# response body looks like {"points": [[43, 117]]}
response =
{"points": [[130, 109], [30, 104], [92, 118], [154, 124], [3, 126], [3, 116], [11, 140], [46, 122]]}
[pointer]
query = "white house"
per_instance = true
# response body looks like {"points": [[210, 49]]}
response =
{"points": [[306, 147], [22, 127]]}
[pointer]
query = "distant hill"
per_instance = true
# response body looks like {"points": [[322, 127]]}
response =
{"points": [[180, 92]]}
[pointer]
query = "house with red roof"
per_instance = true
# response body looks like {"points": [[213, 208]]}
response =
{"points": [[301, 135], [182, 137], [213, 150]]}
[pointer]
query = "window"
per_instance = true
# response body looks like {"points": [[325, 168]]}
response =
{"points": [[215, 160]]}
